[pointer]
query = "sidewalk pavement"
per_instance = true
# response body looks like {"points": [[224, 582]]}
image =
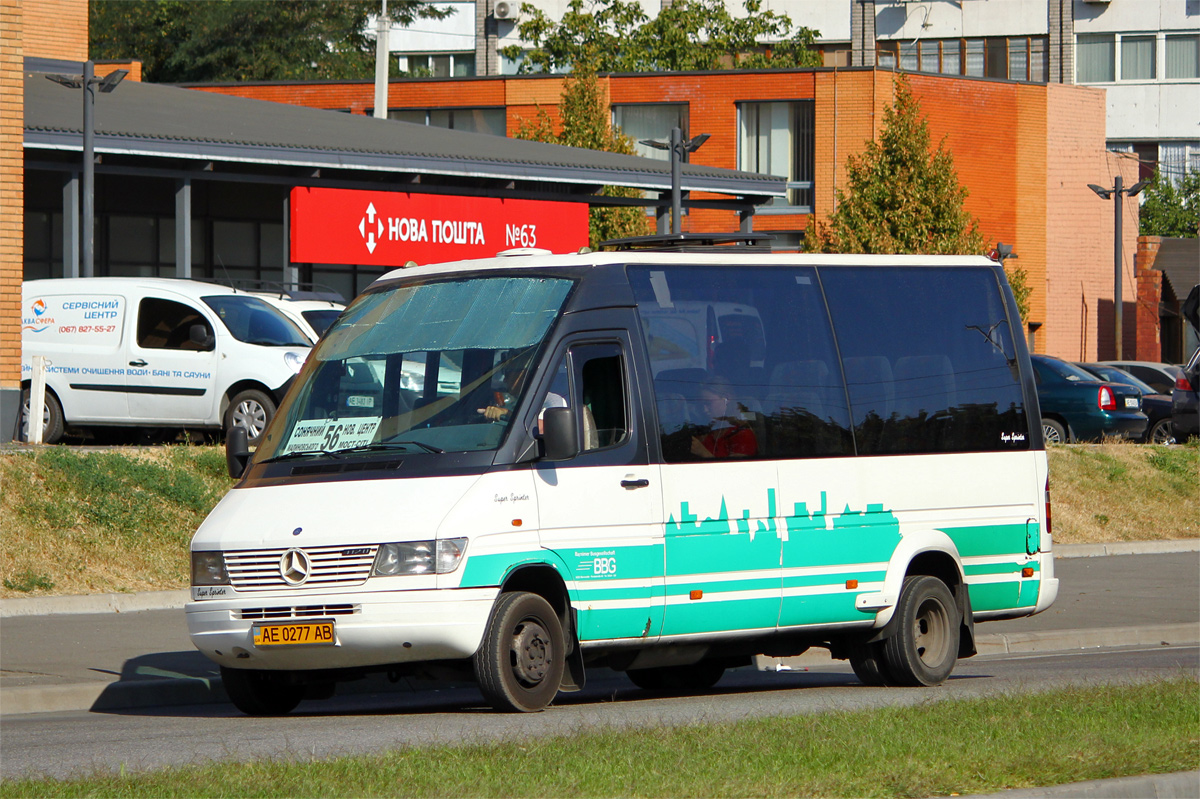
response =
{"points": [[132, 650]]}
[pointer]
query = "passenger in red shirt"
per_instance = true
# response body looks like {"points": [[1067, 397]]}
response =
{"points": [[730, 436]]}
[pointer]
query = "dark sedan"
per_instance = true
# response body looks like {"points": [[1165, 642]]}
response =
{"points": [[1156, 405], [1078, 407], [1185, 400]]}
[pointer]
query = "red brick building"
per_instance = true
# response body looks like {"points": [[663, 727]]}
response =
{"points": [[1024, 151]]}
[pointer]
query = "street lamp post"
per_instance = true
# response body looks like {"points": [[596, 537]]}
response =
{"points": [[89, 82], [679, 150], [1117, 192]]}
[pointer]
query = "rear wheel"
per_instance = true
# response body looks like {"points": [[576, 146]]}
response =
{"points": [[519, 665], [1054, 432], [867, 660], [251, 409], [261, 693], [1162, 433], [689, 679], [52, 418], [924, 648]]}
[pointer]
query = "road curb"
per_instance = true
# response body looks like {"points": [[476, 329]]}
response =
{"points": [[102, 696], [1179, 785], [165, 600]]}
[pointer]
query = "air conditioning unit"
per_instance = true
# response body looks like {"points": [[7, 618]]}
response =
{"points": [[505, 10]]}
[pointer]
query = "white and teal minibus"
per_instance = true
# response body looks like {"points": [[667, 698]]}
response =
{"points": [[658, 462]]}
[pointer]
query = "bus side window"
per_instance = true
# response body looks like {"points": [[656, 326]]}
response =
{"points": [[602, 398]]}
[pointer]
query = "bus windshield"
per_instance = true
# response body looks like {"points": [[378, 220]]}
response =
{"points": [[423, 366]]}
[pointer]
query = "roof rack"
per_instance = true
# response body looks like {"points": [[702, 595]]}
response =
{"points": [[694, 242], [296, 291]]}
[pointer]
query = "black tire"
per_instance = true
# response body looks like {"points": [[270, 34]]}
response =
{"points": [[869, 664], [261, 693], [924, 648], [1163, 432], [691, 679], [519, 665], [251, 409], [1053, 432], [53, 423]]}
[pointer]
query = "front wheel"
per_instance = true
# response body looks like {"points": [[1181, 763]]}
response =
{"points": [[519, 665], [261, 693], [1054, 432], [924, 648], [251, 409], [1162, 433], [53, 423]]}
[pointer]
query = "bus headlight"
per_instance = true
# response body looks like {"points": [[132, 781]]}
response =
{"points": [[208, 568], [419, 557]]}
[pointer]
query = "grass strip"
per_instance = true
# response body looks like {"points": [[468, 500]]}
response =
{"points": [[935, 749]]}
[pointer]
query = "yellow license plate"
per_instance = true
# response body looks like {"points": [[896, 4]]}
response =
{"points": [[316, 633]]}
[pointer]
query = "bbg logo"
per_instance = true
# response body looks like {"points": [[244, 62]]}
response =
{"points": [[604, 566]]}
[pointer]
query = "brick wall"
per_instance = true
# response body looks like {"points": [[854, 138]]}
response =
{"points": [[12, 192], [1149, 295], [55, 28], [1024, 152]]}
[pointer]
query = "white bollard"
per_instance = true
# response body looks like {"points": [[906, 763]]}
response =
{"points": [[37, 398]]}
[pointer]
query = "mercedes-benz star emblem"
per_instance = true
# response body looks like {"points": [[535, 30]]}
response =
{"points": [[295, 567]]}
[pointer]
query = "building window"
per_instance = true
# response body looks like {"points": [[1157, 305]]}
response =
{"points": [[1183, 56], [651, 121], [1019, 58], [1095, 58], [1137, 58], [472, 120], [439, 65], [777, 139]]}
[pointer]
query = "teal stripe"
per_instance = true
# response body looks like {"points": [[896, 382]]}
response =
{"points": [[596, 591], [489, 570], [735, 552], [821, 609], [725, 586], [991, 539], [993, 596], [704, 616], [974, 569], [1029, 592], [833, 580]]}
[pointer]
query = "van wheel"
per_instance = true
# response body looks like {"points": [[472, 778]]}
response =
{"points": [[519, 665], [1162, 433], [924, 648], [261, 693], [678, 679], [251, 409], [867, 660], [1053, 432], [52, 418]]}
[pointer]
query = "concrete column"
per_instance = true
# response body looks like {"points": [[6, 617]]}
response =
{"points": [[862, 33], [1061, 26], [70, 228], [183, 228]]}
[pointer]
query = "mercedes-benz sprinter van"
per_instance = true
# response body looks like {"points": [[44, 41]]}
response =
{"points": [[852, 460]]}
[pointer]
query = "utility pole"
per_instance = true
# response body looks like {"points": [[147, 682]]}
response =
{"points": [[1117, 192]]}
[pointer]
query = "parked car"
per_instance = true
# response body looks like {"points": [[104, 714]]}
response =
{"points": [[313, 316], [1185, 400], [1155, 405], [1076, 406], [1160, 376]]}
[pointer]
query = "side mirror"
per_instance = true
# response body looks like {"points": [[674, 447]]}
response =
{"points": [[237, 451], [559, 434], [199, 335]]}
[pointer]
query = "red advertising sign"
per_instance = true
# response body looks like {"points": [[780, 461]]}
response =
{"points": [[380, 228]]}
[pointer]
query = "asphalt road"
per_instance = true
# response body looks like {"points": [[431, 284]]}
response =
{"points": [[79, 743]]}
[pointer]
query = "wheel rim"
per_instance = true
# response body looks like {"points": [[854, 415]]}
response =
{"points": [[252, 416], [1050, 433], [931, 633], [25, 419], [531, 653], [1162, 434]]}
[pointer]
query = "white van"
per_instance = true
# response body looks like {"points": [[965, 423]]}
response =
{"points": [[156, 352], [868, 476]]}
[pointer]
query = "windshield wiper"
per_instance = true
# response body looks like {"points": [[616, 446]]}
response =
{"points": [[394, 445], [310, 453]]}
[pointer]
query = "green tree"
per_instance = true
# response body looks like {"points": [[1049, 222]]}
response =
{"points": [[181, 41], [1170, 210], [585, 123], [902, 196], [617, 36]]}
